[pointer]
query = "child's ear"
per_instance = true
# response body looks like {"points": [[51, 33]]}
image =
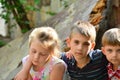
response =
{"points": [[68, 42], [93, 45], [103, 51]]}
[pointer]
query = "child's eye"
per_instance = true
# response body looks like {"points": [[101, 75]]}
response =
{"points": [[33, 51], [76, 42], [118, 50], [109, 50], [86, 44], [43, 54]]}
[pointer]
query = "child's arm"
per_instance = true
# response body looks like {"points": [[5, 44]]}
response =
{"points": [[30, 77], [24, 73], [58, 72]]}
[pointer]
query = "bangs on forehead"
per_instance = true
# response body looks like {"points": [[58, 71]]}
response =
{"points": [[85, 30], [111, 43], [80, 31], [111, 37]]}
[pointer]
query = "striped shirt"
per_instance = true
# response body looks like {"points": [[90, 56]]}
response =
{"points": [[95, 70]]}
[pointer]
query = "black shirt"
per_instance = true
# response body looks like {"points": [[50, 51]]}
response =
{"points": [[95, 70]]}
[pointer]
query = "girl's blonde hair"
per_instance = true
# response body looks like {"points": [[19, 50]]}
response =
{"points": [[84, 28], [111, 37], [48, 38]]}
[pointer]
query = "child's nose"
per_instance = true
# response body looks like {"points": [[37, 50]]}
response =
{"points": [[114, 54], [36, 56], [79, 47]]}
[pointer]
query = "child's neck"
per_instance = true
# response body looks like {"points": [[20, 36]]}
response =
{"points": [[82, 62], [37, 68], [115, 67]]}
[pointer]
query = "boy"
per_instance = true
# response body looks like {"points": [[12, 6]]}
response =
{"points": [[111, 49], [86, 63]]}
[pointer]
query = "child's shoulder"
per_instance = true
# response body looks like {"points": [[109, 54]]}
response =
{"points": [[57, 60], [68, 61], [96, 54]]}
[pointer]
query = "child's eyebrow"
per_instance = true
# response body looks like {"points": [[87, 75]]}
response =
{"points": [[87, 42], [118, 49], [32, 49], [43, 54]]}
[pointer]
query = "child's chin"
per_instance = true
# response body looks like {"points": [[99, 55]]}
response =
{"points": [[35, 63], [115, 63]]}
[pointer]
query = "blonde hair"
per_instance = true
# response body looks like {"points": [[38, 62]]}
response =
{"points": [[48, 38], [84, 28], [111, 37]]}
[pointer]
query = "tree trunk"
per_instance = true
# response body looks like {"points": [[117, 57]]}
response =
{"points": [[19, 14], [112, 20], [114, 14]]}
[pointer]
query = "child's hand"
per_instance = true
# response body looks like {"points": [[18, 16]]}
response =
{"points": [[69, 54], [21, 76]]}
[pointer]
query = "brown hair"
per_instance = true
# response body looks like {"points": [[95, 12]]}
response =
{"points": [[84, 28], [111, 37]]}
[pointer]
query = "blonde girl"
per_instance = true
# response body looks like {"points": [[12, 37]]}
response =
{"points": [[43, 49]]}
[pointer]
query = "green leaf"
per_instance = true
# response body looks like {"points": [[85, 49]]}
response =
{"points": [[2, 43], [51, 13]]}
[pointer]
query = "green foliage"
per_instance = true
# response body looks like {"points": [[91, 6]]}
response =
{"points": [[51, 13], [2, 43], [19, 9], [65, 4], [30, 7], [5, 13], [24, 30]]}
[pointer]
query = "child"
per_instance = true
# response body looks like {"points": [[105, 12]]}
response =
{"points": [[43, 46], [86, 63], [111, 49]]}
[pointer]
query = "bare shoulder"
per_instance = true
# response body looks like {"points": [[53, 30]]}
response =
{"points": [[59, 65], [58, 69]]}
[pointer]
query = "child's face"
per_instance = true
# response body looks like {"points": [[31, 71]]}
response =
{"points": [[38, 53], [112, 54], [80, 45]]}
